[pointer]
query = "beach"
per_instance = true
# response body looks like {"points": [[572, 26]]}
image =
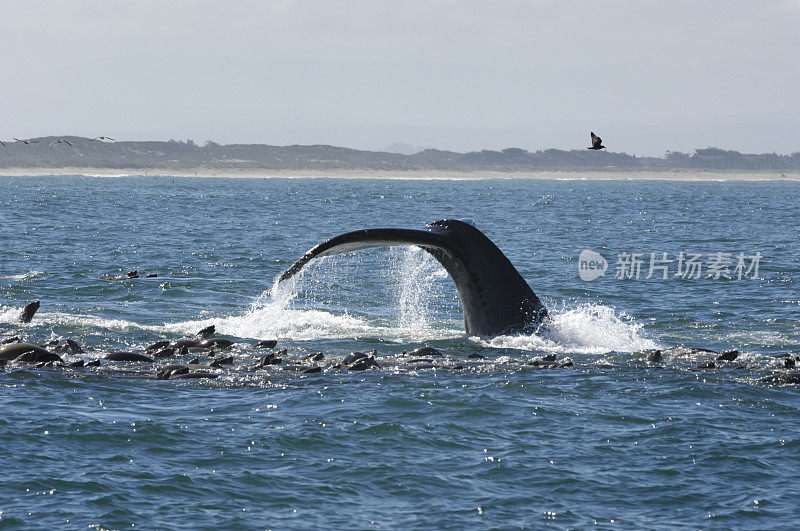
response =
{"points": [[605, 175]]}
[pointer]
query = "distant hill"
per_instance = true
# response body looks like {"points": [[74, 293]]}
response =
{"points": [[184, 155]]}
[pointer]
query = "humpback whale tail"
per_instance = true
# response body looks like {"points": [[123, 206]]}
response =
{"points": [[494, 297]]}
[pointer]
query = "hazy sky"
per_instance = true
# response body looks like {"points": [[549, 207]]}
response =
{"points": [[647, 76]]}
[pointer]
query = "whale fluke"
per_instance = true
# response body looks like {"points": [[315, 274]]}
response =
{"points": [[494, 297]]}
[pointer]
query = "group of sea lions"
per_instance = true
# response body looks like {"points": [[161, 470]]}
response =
{"points": [[207, 356], [727, 360]]}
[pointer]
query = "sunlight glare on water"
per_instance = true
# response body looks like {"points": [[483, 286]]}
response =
{"points": [[481, 432]]}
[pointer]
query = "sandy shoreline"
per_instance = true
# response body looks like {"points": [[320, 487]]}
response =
{"points": [[610, 175]]}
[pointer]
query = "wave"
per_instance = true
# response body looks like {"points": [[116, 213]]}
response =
{"points": [[24, 276]]}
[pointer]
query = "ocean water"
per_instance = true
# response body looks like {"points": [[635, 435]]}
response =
{"points": [[611, 439]]}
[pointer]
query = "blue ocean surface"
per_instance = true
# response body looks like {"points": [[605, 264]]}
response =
{"points": [[601, 436]]}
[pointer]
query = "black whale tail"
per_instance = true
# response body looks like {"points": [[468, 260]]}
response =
{"points": [[494, 297]]}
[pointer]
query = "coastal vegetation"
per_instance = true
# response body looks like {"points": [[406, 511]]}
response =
{"points": [[45, 152]]}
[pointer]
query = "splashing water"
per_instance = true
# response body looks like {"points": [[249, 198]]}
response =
{"points": [[306, 307], [585, 329], [9, 314], [418, 287], [409, 301]]}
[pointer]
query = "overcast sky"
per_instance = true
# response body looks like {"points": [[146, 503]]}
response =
{"points": [[647, 76]]}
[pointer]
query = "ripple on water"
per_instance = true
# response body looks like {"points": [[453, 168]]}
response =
{"points": [[615, 440]]}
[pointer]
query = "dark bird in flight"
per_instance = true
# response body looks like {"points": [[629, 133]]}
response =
{"points": [[597, 142], [59, 141], [27, 141], [4, 144], [102, 138]]}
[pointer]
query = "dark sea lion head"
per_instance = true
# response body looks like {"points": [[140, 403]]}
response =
{"points": [[28, 312]]}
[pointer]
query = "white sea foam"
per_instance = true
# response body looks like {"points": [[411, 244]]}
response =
{"points": [[9, 314], [585, 329], [93, 322], [419, 281], [23, 276], [274, 320]]}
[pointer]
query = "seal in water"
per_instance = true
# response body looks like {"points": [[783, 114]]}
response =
{"points": [[14, 350], [28, 312], [37, 356], [207, 331], [494, 297], [127, 276], [201, 343], [64, 346], [127, 356]]}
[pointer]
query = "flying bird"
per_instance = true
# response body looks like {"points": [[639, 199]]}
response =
{"points": [[4, 144], [597, 142], [27, 141], [102, 138], [59, 141]]}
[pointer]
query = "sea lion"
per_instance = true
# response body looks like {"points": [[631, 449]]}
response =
{"points": [[162, 353], [362, 364], [266, 343], [786, 378], [158, 345], [127, 356], [28, 312], [353, 357], [180, 343], [216, 343], [728, 355], [202, 343], [219, 362], [207, 331], [64, 346], [171, 370], [193, 375], [655, 356], [14, 350], [424, 352], [127, 276], [37, 356], [269, 359]]}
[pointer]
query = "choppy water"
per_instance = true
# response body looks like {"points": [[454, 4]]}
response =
{"points": [[613, 440]]}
